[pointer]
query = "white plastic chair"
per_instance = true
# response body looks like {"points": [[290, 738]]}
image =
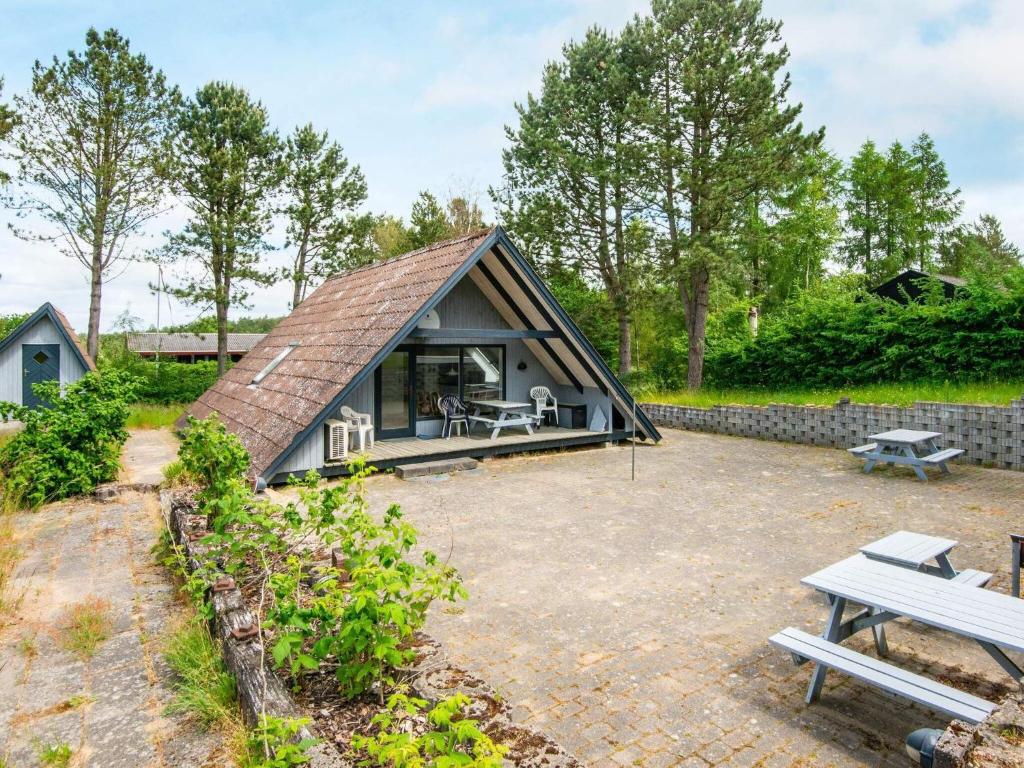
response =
{"points": [[359, 422], [545, 402]]}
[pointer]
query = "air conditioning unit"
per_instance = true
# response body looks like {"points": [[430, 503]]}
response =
{"points": [[336, 440]]}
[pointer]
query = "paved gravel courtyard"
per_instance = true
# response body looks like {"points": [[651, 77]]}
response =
{"points": [[629, 620]]}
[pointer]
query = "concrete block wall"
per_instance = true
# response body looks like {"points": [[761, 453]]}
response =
{"points": [[990, 435]]}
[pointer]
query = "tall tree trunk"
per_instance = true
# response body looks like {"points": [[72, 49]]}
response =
{"points": [[95, 300], [222, 334], [625, 343], [694, 293], [298, 278]]}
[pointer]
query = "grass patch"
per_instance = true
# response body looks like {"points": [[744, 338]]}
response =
{"points": [[9, 556], [175, 475], [153, 416], [57, 754], [204, 691], [85, 626], [997, 393]]}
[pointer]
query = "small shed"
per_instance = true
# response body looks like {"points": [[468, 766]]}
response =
{"points": [[910, 284], [43, 348], [466, 318], [189, 347]]}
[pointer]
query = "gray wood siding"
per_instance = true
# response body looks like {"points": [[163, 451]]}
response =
{"points": [[310, 454], [43, 332], [466, 307]]}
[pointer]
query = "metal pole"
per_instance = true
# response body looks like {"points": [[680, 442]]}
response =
{"points": [[632, 469]]}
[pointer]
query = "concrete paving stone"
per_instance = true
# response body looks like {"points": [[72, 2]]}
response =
{"points": [[89, 556], [649, 604]]}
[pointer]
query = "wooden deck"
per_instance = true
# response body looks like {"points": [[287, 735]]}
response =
{"points": [[415, 447], [387, 454]]}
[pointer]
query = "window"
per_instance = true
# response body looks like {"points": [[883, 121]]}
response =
{"points": [[473, 373], [273, 364], [437, 374], [481, 373]]}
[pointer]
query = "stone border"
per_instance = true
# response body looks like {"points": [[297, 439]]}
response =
{"points": [[989, 435], [260, 690], [996, 741]]}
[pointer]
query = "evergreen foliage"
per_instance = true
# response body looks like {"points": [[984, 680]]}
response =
{"points": [[834, 336]]}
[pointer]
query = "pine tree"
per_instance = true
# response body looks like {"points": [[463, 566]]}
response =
{"points": [[865, 200], [937, 207], [323, 191], [721, 132], [228, 165], [91, 148], [7, 121], [572, 173], [979, 249]]}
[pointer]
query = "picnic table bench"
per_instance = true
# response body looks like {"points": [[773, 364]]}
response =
{"points": [[889, 591], [898, 446], [508, 414]]}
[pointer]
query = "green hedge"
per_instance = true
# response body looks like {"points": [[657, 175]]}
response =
{"points": [[834, 337], [167, 382]]}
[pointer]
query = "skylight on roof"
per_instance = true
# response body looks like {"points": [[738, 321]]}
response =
{"points": [[273, 363]]}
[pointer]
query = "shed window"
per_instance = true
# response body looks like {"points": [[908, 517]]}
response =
{"points": [[274, 363], [40, 357]]}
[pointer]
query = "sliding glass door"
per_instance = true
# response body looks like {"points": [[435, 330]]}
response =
{"points": [[395, 416]]}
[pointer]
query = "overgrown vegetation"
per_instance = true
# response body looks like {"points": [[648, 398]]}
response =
{"points": [[204, 690], [84, 626], [451, 739], [834, 337], [356, 619], [56, 754], [9, 556], [69, 447], [148, 416]]}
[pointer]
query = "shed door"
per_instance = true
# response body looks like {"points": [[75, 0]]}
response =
{"points": [[39, 362]]}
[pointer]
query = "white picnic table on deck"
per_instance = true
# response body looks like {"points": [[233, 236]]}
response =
{"points": [[898, 446], [507, 415]]}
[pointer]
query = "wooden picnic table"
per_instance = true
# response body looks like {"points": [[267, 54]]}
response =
{"points": [[899, 446], [508, 413], [913, 550], [887, 591]]}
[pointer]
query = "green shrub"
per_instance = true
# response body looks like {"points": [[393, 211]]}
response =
{"points": [[830, 338], [9, 322], [69, 447], [169, 383], [217, 459], [451, 738]]}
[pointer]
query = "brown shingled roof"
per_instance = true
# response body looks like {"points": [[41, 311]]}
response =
{"points": [[339, 328], [190, 343], [89, 363]]}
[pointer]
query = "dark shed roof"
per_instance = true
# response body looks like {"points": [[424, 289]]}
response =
{"points": [[908, 284]]}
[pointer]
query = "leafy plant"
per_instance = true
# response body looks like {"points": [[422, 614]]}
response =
{"points": [[56, 754], [274, 743], [69, 447], [218, 459], [451, 740]]}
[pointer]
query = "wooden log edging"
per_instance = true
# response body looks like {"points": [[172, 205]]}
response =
{"points": [[259, 689]]}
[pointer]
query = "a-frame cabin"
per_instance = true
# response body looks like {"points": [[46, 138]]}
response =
{"points": [[467, 316]]}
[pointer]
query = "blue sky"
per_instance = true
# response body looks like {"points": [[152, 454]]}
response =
{"points": [[418, 92]]}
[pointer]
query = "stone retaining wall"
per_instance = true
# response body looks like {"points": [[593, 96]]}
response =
{"points": [[990, 435]]}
